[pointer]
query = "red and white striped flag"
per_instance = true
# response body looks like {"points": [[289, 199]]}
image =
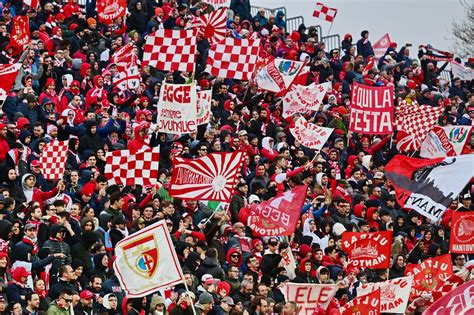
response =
{"points": [[323, 12], [53, 159], [8, 74], [413, 123], [380, 46], [211, 177], [170, 50], [233, 58], [31, 3], [124, 57], [140, 168], [212, 26]]}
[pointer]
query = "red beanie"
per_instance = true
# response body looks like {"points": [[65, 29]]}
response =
{"points": [[88, 189], [304, 250]]}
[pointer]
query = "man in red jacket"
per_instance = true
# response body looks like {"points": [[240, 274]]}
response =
{"points": [[4, 147]]}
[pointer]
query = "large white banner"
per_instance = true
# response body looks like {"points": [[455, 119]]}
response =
{"points": [[309, 296], [177, 109], [445, 141], [310, 135], [304, 98], [464, 73], [203, 106], [147, 261], [394, 293]]}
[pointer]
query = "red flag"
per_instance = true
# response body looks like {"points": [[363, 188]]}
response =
{"points": [[109, 10], [380, 46], [140, 168], [368, 250], [430, 274], [211, 177], [8, 74], [279, 215], [212, 25], [458, 301], [124, 57], [20, 34], [53, 159], [31, 3], [462, 233], [368, 304], [323, 12]]}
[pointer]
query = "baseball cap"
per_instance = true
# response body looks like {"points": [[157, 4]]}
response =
{"points": [[86, 294], [35, 163], [22, 272], [273, 241], [30, 226], [253, 198], [207, 279], [378, 175], [228, 300], [242, 133]]}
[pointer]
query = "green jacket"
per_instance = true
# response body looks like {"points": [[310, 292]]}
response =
{"points": [[54, 309]]}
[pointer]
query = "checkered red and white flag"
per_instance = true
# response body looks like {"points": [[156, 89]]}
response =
{"points": [[212, 26], [233, 58], [170, 50], [53, 159], [124, 57], [128, 169], [323, 12], [413, 123], [211, 177]]}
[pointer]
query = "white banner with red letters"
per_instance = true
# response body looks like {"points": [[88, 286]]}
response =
{"points": [[203, 105], [309, 297], [445, 141], [310, 135], [371, 109], [394, 294], [304, 98], [462, 233], [459, 301], [146, 261], [177, 108]]}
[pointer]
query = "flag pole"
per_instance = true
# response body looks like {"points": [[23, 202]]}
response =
{"points": [[330, 27], [187, 290]]}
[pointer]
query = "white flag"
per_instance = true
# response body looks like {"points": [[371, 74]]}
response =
{"points": [[304, 98], [310, 135]]}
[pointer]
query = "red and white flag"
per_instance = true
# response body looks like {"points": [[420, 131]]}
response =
{"points": [[278, 75], [303, 99], [371, 109], [125, 57], [325, 13], [31, 3], [170, 50], [53, 159], [146, 261], [279, 215], [140, 168], [310, 135], [430, 274], [462, 233], [459, 301], [368, 250], [394, 293], [212, 25], [413, 123], [20, 33], [8, 74], [203, 105], [128, 79], [380, 46], [233, 58], [429, 186], [309, 297], [211, 177], [445, 141], [462, 72], [368, 304], [109, 10]]}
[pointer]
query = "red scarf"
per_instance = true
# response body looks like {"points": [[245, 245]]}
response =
{"points": [[28, 240]]}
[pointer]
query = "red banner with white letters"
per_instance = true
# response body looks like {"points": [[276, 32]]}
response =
{"points": [[462, 233], [430, 274], [109, 10], [371, 109], [368, 304], [20, 34], [367, 250]]}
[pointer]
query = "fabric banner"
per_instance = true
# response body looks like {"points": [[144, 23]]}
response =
{"points": [[212, 25], [125, 57], [279, 215], [203, 107], [289, 263], [459, 71], [368, 250], [462, 233], [430, 274], [278, 75], [177, 108], [445, 141], [304, 98], [211, 177], [429, 186], [310, 135], [8, 74], [128, 79], [368, 304], [371, 109], [394, 294], [458, 301], [20, 33], [309, 297], [53, 159], [380, 46], [109, 10], [146, 261]]}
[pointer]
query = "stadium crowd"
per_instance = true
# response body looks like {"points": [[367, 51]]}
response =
{"points": [[57, 238]]}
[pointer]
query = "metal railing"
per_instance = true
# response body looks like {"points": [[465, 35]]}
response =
{"points": [[445, 74], [332, 42], [293, 23], [268, 12]]}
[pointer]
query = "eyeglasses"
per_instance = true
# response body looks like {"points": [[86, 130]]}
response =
{"points": [[203, 149], [234, 256], [67, 300]]}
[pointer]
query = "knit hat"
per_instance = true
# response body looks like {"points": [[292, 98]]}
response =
{"points": [[338, 229], [205, 298], [91, 21], [88, 189]]}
